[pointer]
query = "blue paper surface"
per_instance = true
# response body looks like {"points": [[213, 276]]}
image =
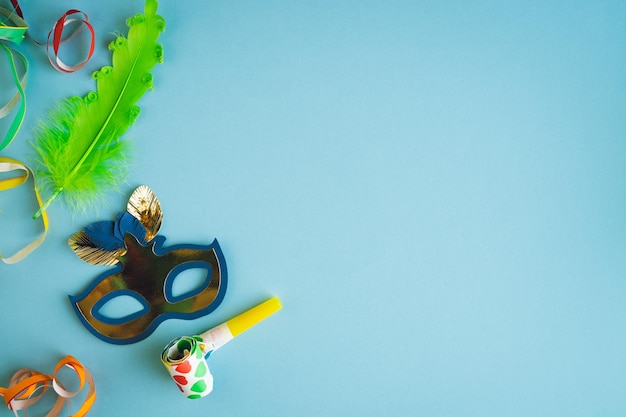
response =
{"points": [[435, 190]]}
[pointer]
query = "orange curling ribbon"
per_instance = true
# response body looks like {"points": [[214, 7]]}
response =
{"points": [[27, 387], [10, 165]]}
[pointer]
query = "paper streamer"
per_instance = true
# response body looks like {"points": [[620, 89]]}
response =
{"points": [[12, 165], [27, 387], [185, 357]]}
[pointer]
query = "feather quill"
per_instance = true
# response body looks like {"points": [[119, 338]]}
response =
{"points": [[80, 153]]}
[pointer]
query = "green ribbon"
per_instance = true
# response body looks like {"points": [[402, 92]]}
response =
{"points": [[14, 34]]}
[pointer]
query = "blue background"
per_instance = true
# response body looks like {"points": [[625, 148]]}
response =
{"points": [[435, 190]]}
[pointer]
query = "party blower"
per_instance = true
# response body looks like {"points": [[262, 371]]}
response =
{"points": [[185, 357]]}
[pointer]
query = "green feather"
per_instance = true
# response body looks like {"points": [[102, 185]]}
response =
{"points": [[80, 152]]}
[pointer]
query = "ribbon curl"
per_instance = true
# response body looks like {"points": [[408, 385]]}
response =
{"points": [[55, 35], [27, 387], [57, 39], [13, 34], [10, 165], [13, 30]]}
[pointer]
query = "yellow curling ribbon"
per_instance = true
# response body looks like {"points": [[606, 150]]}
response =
{"points": [[23, 172]]}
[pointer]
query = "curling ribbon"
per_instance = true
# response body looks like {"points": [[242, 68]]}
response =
{"points": [[185, 357], [9, 165], [13, 29], [16, 32], [57, 40], [55, 36], [27, 387], [13, 34]]}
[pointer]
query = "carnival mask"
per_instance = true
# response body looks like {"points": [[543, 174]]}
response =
{"points": [[145, 270]]}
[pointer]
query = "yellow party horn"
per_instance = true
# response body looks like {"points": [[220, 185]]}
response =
{"points": [[185, 357]]}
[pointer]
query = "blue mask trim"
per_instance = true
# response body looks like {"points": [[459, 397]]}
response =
{"points": [[95, 311], [177, 270]]}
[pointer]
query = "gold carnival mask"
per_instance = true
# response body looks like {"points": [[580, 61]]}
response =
{"points": [[144, 270]]}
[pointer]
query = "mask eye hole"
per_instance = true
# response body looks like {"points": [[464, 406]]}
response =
{"points": [[186, 280], [120, 307]]}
